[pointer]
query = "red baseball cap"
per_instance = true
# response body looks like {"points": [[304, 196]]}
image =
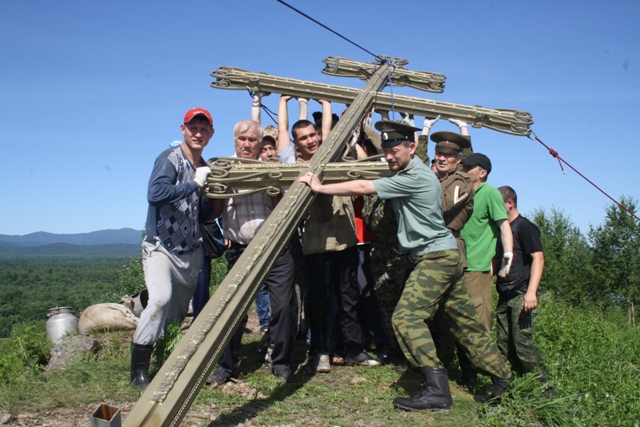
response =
{"points": [[195, 112]]}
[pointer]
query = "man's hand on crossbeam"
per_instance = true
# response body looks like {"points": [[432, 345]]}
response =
{"points": [[312, 180], [358, 187]]}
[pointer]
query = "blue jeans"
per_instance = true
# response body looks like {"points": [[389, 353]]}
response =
{"points": [[201, 294], [262, 306]]}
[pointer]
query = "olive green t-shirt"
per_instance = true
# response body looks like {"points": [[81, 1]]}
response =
{"points": [[416, 197]]}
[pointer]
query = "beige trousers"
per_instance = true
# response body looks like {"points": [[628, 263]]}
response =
{"points": [[479, 286]]}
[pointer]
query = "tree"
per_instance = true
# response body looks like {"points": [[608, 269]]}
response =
{"points": [[567, 270], [616, 253]]}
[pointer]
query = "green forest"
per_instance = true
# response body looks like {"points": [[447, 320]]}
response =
{"points": [[29, 287]]}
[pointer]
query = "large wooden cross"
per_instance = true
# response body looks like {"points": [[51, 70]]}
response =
{"points": [[168, 398]]}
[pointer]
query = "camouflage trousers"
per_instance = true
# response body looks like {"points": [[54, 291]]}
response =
{"points": [[435, 283], [516, 328]]}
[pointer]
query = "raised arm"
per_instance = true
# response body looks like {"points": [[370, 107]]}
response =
{"points": [[428, 124], [327, 119], [461, 125], [304, 108], [283, 123], [256, 106]]}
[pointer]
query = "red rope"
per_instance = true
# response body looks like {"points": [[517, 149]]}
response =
{"points": [[555, 154]]}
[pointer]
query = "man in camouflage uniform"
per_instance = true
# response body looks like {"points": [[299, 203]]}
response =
{"points": [[436, 280]]}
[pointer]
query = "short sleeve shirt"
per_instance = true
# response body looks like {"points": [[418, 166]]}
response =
{"points": [[416, 197], [526, 241], [288, 154], [481, 232]]}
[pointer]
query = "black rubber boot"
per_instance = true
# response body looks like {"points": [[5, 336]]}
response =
{"points": [[500, 386], [435, 394], [140, 359]]}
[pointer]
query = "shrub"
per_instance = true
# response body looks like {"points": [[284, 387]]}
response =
{"points": [[25, 351], [130, 280], [172, 336], [593, 355]]}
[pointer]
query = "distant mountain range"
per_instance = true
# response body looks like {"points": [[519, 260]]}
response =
{"points": [[104, 243], [102, 237]]}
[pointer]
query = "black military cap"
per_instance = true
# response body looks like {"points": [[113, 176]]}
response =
{"points": [[477, 159], [450, 142], [393, 133]]}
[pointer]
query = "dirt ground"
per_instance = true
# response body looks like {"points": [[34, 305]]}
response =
{"points": [[81, 416]]}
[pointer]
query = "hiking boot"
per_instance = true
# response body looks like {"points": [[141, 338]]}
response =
{"points": [[283, 373], [140, 360], [435, 394], [322, 363], [362, 359], [500, 386], [219, 377]]}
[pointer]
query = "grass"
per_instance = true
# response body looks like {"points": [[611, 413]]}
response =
{"points": [[91, 379], [592, 358], [348, 396]]}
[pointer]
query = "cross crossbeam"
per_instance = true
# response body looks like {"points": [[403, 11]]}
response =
{"points": [[227, 175], [400, 76], [167, 399], [514, 122]]}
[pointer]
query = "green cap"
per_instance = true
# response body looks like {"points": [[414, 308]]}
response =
{"points": [[450, 142], [393, 133]]}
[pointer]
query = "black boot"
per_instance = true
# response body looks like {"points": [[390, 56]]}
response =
{"points": [[140, 359], [500, 386], [435, 394]]}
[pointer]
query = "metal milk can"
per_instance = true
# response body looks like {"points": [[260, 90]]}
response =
{"points": [[62, 320]]}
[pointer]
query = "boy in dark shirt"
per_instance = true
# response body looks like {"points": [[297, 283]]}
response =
{"points": [[518, 291]]}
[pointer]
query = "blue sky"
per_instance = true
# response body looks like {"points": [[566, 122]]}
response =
{"points": [[91, 92]]}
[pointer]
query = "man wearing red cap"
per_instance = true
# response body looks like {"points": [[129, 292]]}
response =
{"points": [[171, 254]]}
